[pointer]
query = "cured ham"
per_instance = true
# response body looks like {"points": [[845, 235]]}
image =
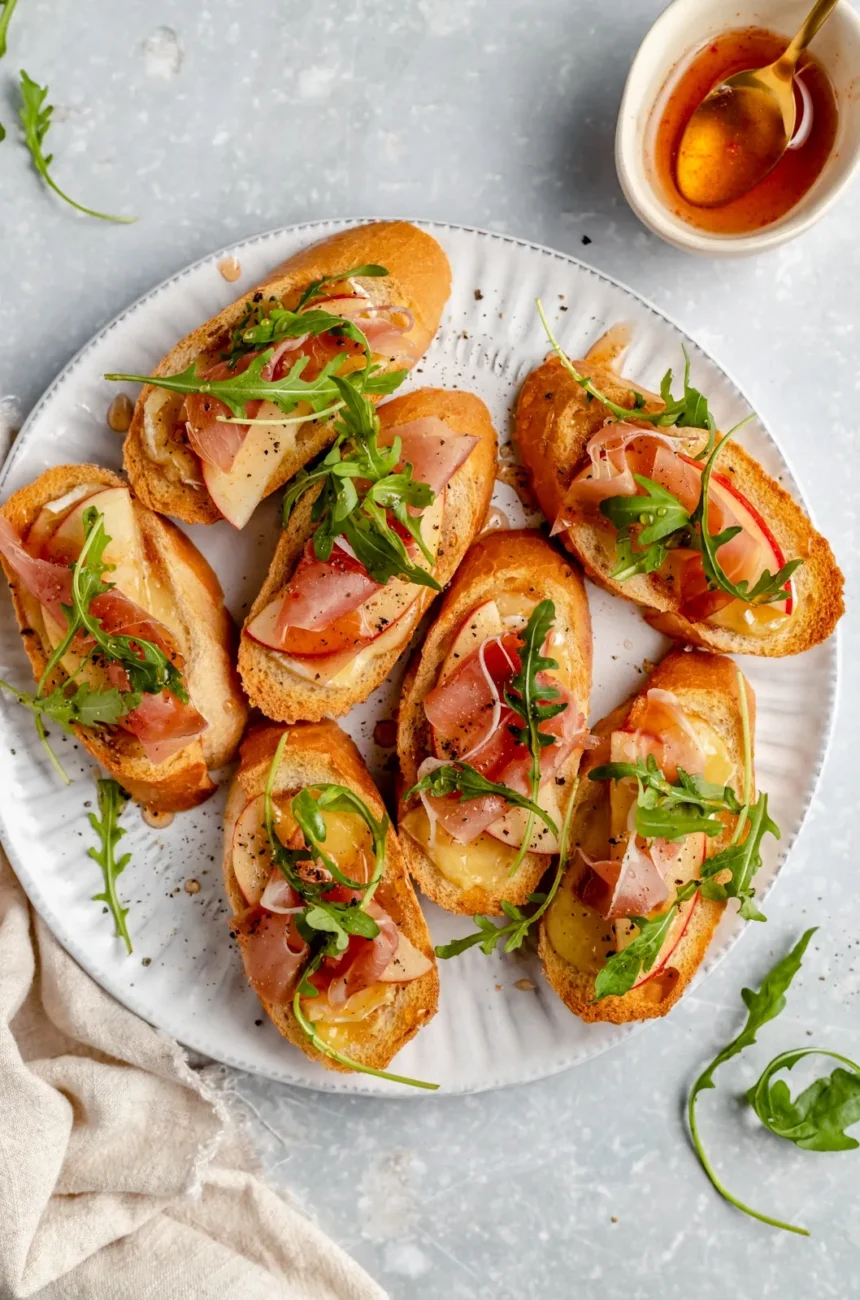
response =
{"points": [[618, 451], [372, 959], [471, 722], [632, 886], [163, 724], [334, 606], [430, 447], [273, 951], [322, 591]]}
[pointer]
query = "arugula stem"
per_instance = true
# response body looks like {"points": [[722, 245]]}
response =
{"points": [[5, 19], [720, 1186], [46, 745], [747, 742], [322, 1046]]}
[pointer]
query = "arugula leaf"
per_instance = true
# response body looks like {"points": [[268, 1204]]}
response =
{"points": [[112, 800], [659, 513], [770, 586], [688, 411], [743, 861], [338, 919], [817, 1119], [671, 810], [623, 968], [308, 813], [5, 18], [368, 271], [533, 703], [488, 935], [360, 513], [762, 1006], [81, 705], [148, 668], [36, 119], [469, 783]]}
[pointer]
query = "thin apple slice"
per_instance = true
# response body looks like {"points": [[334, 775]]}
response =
{"points": [[511, 828], [52, 515], [479, 626], [124, 550], [252, 858], [238, 492], [406, 965]]}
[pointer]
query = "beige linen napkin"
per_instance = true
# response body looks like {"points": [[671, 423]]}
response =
{"points": [[121, 1175]]}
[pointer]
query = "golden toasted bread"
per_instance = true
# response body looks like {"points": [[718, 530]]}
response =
{"points": [[274, 687], [204, 632], [556, 419], [706, 686], [510, 563], [165, 472], [321, 752]]}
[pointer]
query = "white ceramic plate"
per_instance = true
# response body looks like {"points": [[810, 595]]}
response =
{"points": [[185, 976]]}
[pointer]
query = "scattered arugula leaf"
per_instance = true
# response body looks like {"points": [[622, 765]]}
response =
{"points": [[742, 861], [112, 800], [762, 1006], [817, 1119], [326, 924], [358, 485], [80, 705], [8, 8], [36, 119], [623, 968], [488, 935], [688, 411], [769, 587], [671, 810]]}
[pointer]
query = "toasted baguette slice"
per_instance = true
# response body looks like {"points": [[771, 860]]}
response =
{"points": [[164, 471], [706, 686], [513, 563], [273, 687], [205, 636], [317, 752], [556, 419]]}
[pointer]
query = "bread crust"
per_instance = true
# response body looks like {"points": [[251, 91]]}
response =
{"points": [[554, 423], [516, 561], [207, 645], [279, 693], [322, 752], [419, 279], [707, 685]]}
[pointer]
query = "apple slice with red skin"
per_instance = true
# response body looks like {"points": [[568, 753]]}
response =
{"points": [[707, 603], [663, 961]]}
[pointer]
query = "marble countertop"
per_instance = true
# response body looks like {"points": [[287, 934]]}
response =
{"points": [[217, 120]]}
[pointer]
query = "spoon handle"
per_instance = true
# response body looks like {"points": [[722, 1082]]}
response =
{"points": [[816, 16]]}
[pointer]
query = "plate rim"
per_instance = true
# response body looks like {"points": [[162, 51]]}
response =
{"points": [[358, 1085]]}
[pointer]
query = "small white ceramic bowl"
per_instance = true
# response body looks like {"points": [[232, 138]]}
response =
{"points": [[681, 29]]}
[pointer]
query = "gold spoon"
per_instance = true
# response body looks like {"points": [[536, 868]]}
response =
{"points": [[742, 128]]}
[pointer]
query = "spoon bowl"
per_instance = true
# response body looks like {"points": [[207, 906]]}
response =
{"points": [[742, 128]]}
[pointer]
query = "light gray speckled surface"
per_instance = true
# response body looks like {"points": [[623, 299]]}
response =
{"points": [[214, 121]]}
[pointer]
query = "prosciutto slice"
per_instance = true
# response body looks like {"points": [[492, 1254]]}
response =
{"points": [[273, 951], [430, 447], [471, 722], [322, 591], [50, 583], [632, 886], [370, 961]]}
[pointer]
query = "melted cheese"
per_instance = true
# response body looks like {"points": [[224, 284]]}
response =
{"points": [[483, 864], [753, 620]]}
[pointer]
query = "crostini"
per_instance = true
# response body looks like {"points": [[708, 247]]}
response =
{"points": [[494, 710], [243, 401], [666, 826], [372, 533], [329, 929], [125, 627], [620, 474]]}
